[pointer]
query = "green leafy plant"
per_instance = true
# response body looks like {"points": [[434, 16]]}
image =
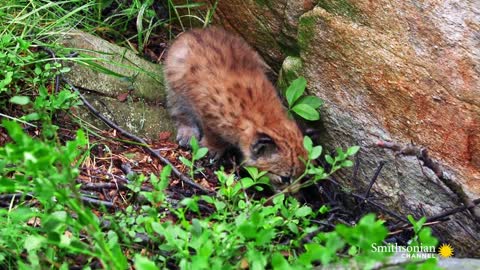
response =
{"points": [[197, 153], [239, 231], [47, 172], [422, 238], [304, 106], [423, 235], [317, 172]]}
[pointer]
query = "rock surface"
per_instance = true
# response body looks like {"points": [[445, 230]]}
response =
{"points": [[270, 26], [402, 71], [131, 92]]}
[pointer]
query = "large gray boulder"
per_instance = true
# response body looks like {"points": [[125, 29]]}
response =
{"points": [[400, 71], [124, 87]]}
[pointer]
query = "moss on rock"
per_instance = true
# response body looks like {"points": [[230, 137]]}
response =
{"points": [[306, 30], [342, 8]]}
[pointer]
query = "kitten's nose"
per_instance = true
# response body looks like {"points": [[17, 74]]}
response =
{"points": [[285, 179]]}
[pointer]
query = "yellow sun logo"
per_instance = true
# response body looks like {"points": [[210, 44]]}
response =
{"points": [[445, 250]]}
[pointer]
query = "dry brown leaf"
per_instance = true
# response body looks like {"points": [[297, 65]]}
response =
{"points": [[123, 96], [164, 135]]}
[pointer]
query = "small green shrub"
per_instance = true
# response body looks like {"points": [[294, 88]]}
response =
{"points": [[65, 227], [197, 153], [304, 106]]}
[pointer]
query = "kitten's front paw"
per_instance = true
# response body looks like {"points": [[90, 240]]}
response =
{"points": [[184, 134]]}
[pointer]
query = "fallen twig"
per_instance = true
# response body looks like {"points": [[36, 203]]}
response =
{"points": [[100, 186], [17, 196], [127, 134], [97, 202], [454, 211], [30, 196]]}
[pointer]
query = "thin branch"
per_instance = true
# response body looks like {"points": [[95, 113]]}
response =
{"points": [[17, 195], [454, 211], [422, 154], [127, 134], [409, 227], [377, 205], [356, 168], [18, 120], [374, 178]]}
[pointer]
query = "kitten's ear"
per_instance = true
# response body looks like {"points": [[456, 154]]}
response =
{"points": [[264, 145]]}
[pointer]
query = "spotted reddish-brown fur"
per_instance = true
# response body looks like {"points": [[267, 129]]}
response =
{"points": [[218, 92]]}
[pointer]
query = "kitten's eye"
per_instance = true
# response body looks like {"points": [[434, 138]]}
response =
{"points": [[263, 146], [259, 150]]}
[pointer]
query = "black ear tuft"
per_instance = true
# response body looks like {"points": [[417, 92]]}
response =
{"points": [[263, 145]]}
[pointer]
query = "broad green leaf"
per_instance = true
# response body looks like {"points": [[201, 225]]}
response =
{"points": [[278, 200], [31, 117], [426, 237], [347, 163], [352, 250], [6, 80], [303, 211], [306, 112], [316, 152], [252, 171], [313, 252], [411, 219], [329, 159], [248, 230], [295, 90], [324, 209], [247, 182], [207, 199], [312, 101], [242, 204], [20, 100], [353, 150], [143, 263], [200, 153], [190, 203], [194, 144], [292, 227], [307, 143], [340, 154], [186, 161], [265, 236], [279, 262], [33, 242]]}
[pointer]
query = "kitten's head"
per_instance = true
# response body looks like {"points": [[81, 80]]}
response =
{"points": [[280, 152]]}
